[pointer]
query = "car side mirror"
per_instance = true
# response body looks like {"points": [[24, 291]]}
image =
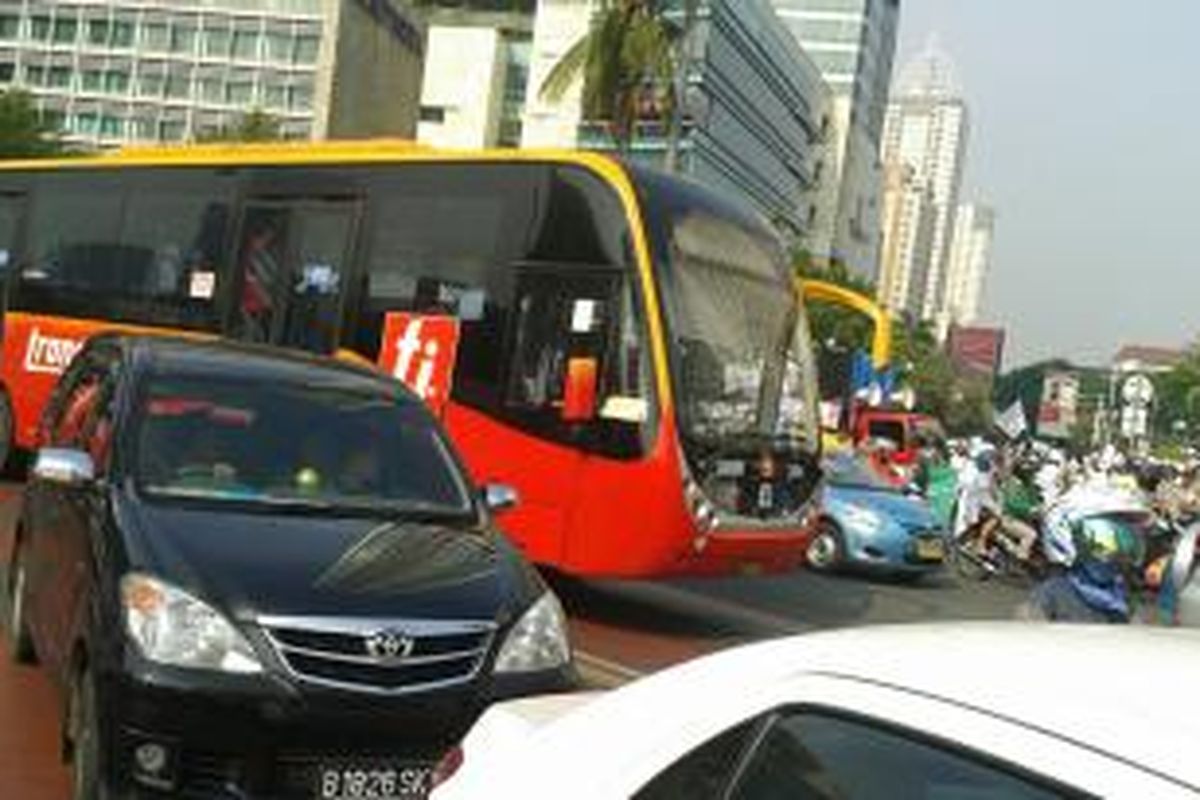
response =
{"points": [[500, 497], [579, 391], [63, 466]]}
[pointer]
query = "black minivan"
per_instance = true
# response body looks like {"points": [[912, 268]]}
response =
{"points": [[260, 574]]}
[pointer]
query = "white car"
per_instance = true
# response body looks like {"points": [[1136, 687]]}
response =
{"points": [[1011, 711]]}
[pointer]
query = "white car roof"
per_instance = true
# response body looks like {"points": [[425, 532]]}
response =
{"points": [[1128, 693], [1125, 690]]}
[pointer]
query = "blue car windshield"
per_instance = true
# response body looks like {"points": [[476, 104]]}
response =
{"points": [[855, 473], [292, 444]]}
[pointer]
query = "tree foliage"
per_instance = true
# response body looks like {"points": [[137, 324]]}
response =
{"points": [[23, 134], [962, 402], [1177, 397], [832, 324], [255, 125], [627, 63]]}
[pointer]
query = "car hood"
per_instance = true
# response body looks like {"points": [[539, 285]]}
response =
{"points": [[909, 512], [251, 563]]}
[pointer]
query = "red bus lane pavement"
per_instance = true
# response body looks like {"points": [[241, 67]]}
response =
{"points": [[30, 768]]}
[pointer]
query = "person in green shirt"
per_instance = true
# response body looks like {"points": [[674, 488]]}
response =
{"points": [[938, 481]]}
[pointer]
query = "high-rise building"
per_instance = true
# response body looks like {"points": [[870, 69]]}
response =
{"points": [[476, 76], [925, 133], [853, 43], [907, 235], [970, 258], [754, 110], [117, 71]]}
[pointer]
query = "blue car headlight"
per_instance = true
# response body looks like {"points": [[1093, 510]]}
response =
{"points": [[860, 518]]}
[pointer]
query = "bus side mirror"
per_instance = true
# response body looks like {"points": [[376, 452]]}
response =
{"points": [[579, 391]]}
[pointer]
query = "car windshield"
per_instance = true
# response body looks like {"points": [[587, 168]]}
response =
{"points": [[308, 444], [740, 335], [854, 473]]}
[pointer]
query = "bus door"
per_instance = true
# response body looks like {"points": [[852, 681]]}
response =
{"points": [[293, 263]]}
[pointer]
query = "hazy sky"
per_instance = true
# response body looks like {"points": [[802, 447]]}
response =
{"points": [[1085, 135]]}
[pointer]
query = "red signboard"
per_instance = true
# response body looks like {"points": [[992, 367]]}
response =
{"points": [[419, 349], [978, 350]]}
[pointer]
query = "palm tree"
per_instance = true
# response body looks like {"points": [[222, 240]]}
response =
{"points": [[627, 61]]}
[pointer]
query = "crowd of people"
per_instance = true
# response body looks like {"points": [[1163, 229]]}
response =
{"points": [[1095, 532]]}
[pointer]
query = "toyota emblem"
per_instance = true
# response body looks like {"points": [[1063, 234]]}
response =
{"points": [[389, 646]]}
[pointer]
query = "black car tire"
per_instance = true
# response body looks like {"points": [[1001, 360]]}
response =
{"points": [[20, 641], [86, 751], [967, 563], [826, 552]]}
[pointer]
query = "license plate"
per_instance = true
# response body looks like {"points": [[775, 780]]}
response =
{"points": [[931, 549], [372, 781]]}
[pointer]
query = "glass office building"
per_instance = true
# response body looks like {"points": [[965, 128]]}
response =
{"points": [[107, 73], [754, 106], [853, 43]]}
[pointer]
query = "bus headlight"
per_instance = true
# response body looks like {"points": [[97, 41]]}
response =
{"points": [[538, 641], [172, 627]]}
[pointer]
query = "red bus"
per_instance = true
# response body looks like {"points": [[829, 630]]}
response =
{"points": [[626, 349]]}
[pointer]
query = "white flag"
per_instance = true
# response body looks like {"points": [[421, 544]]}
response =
{"points": [[1012, 422]]}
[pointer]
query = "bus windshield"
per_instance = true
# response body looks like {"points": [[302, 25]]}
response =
{"points": [[737, 329]]}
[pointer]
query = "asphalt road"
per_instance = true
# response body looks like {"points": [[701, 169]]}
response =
{"points": [[621, 629], [634, 627]]}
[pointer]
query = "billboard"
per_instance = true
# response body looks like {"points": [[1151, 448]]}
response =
{"points": [[1058, 412], [976, 350]]}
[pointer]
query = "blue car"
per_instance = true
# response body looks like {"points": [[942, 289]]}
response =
{"points": [[867, 522]]}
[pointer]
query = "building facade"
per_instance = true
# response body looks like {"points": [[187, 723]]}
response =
{"points": [[476, 76], [925, 137], [108, 72], [853, 44], [907, 235], [970, 261], [754, 111]]}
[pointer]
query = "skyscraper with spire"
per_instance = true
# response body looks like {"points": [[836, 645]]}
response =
{"points": [[924, 147]]}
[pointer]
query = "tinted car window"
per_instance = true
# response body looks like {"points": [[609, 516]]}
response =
{"points": [[238, 440], [810, 755], [887, 429], [705, 772]]}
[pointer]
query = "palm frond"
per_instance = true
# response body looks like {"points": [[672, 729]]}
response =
{"points": [[566, 70]]}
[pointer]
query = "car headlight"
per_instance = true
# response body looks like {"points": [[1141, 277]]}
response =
{"points": [[539, 639], [172, 627], [861, 518]]}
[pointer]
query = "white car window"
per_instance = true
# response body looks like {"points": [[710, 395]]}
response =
{"points": [[813, 755]]}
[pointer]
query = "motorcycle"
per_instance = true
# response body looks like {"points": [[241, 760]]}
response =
{"points": [[1002, 558]]}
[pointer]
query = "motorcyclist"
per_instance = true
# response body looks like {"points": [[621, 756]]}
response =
{"points": [[978, 509], [1099, 548]]}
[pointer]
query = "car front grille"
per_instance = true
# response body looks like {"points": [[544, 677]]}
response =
{"points": [[339, 652]]}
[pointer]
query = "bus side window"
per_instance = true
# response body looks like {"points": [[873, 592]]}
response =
{"points": [[142, 246], [181, 220], [569, 313]]}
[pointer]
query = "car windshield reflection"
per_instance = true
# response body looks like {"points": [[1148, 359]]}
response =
{"points": [[319, 448]]}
